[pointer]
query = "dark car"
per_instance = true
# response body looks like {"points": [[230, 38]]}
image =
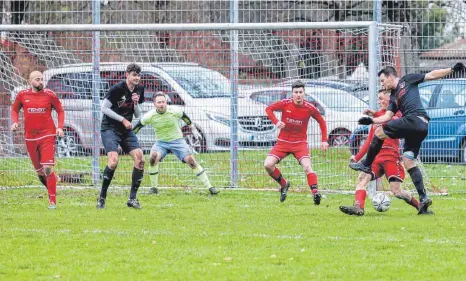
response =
{"points": [[445, 102]]}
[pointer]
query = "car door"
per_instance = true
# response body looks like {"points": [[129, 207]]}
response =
{"points": [[448, 118]]}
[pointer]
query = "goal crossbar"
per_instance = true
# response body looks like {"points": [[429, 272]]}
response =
{"points": [[191, 27]]}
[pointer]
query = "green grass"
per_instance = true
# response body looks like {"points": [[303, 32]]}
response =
{"points": [[238, 235], [332, 169]]}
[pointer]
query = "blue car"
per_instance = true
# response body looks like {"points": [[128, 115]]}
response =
{"points": [[445, 102]]}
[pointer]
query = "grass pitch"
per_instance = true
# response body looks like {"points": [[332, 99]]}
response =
{"points": [[238, 235]]}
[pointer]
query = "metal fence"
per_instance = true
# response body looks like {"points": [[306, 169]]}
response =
{"points": [[432, 36]]}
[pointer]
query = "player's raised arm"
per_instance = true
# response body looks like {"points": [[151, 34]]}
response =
{"points": [[378, 120], [440, 73], [15, 108]]}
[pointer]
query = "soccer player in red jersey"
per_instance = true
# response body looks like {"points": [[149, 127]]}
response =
{"points": [[39, 129], [293, 138], [386, 162]]}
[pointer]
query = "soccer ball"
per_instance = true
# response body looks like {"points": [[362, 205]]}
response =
{"points": [[381, 202]]}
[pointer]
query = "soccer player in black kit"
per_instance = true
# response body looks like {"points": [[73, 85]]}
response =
{"points": [[413, 126], [120, 104]]}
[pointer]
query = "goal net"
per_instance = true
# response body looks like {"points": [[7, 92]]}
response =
{"points": [[193, 68]]}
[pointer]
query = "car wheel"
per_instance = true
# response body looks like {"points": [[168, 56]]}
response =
{"points": [[463, 152], [357, 144], [198, 145], [339, 138], [68, 146]]}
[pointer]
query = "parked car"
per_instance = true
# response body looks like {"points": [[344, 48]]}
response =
{"points": [[445, 103], [358, 89], [204, 95], [340, 109]]}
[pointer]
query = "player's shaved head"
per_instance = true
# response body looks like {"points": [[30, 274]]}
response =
{"points": [[36, 80], [33, 75]]}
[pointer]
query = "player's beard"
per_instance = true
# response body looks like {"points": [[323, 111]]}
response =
{"points": [[38, 88]]}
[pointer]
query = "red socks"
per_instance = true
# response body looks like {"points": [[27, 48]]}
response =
{"points": [[52, 188], [277, 176], [360, 197], [414, 202], [312, 182]]}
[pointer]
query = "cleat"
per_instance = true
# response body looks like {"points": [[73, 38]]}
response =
{"points": [[352, 210], [317, 198], [52, 206], [133, 203], [284, 191], [153, 190], [359, 166], [214, 191], [423, 208], [100, 203]]}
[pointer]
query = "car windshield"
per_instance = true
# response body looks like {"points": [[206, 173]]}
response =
{"points": [[340, 101], [200, 82]]}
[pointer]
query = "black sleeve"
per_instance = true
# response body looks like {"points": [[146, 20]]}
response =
{"points": [[414, 78], [186, 119], [113, 95]]}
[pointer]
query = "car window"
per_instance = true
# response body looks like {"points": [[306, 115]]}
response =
{"points": [[74, 85], [153, 84], [269, 97], [426, 94], [451, 96]]}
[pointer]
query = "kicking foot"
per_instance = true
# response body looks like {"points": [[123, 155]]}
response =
{"points": [[423, 208], [284, 191], [359, 166], [352, 210], [52, 206]]}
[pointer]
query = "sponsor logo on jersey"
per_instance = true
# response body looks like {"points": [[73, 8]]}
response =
{"points": [[37, 110], [27, 101], [294, 121]]}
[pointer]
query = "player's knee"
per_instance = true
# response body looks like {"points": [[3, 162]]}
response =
{"points": [[153, 159], [268, 166], [112, 163], [308, 169], [409, 155], [141, 163], [380, 133]]}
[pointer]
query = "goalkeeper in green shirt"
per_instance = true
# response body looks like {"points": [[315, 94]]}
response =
{"points": [[165, 121]]}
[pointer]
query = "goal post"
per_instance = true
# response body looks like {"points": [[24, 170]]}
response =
{"points": [[194, 64]]}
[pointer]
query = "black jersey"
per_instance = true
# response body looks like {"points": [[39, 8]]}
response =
{"points": [[405, 97], [120, 97]]}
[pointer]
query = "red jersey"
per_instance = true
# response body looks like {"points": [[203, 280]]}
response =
{"points": [[390, 148], [37, 107], [296, 118]]}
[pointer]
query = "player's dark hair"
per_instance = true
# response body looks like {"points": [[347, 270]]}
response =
{"points": [[159, 94], [297, 84], [133, 67], [387, 71]]}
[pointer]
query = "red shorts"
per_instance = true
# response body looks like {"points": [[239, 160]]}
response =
{"points": [[390, 166], [42, 152], [282, 149]]}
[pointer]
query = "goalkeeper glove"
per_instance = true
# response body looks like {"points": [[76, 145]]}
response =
{"points": [[458, 67], [365, 121], [195, 133]]}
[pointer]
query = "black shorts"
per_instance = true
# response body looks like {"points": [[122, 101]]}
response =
{"points": [[412, 128], [127, 140]]}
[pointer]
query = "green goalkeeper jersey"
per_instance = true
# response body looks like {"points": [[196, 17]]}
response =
{"points": [[166, 125]]}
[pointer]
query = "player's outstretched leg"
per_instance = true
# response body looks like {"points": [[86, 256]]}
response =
{"points": [[358, 208], [416, 176]]}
